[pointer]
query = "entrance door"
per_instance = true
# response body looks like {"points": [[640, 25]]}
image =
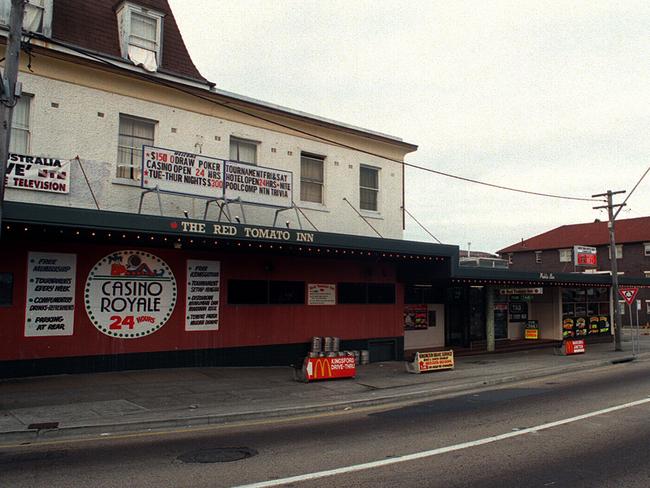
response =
{"points": [[476, 305], [501, 323], [456, 313]]}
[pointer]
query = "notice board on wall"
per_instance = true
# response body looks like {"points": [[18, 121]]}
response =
{"points": [[202, 299], [51, 281]]}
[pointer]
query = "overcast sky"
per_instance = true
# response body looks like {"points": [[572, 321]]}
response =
{"points": [[545, 96]]}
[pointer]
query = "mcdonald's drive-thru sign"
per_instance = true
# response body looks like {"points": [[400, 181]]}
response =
{"points": [[329, 368]]}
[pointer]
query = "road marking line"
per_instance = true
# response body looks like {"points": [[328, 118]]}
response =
{"points": [[440, 450]]}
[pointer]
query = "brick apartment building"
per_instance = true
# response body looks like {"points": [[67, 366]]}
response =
{"points": [[552, 251]]}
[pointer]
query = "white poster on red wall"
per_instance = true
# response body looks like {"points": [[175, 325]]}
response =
{"points": [[321, 294], [202, 298], [49, 309]]}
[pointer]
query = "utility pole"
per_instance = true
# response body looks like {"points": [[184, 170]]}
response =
{"points": [[613, 263], [9, 92]]}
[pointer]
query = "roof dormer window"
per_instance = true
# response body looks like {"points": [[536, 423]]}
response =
{"points": [[37, 17], [140, 35]]}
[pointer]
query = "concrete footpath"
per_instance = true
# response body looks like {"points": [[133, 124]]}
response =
{"points": [[48, 407]]}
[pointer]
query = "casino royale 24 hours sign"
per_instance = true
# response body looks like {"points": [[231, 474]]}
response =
{"points": [[130, 294]]}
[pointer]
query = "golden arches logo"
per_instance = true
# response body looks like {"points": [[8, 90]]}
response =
{"points": [[324, 365]]}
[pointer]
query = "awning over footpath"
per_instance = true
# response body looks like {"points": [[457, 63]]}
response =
{"points": [[501, 277], [28, 220], [25, 220]]}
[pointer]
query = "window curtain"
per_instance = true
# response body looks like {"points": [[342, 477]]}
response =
{"points": [[311, 180], [33, 19], [243, 151], [143, 32], [143, 57], [133, 135]]}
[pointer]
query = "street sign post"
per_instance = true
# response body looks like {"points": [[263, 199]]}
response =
{"points": [[629, 294]]}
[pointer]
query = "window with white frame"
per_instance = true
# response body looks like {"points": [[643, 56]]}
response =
{"points": [[134, 133], [243, 151], [311, 178], [646, 248], [538, 257], [510, 258], [37, 17], [140, 30], [619, 251], [565, 255], [20, 136], [368, 188]]}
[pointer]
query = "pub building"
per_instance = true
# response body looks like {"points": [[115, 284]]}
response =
{"points": [[86, 290], [140, 223]]}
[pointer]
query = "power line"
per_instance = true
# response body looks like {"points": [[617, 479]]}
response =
{"points": [[632, 191], [423, 227], [174, 86]]}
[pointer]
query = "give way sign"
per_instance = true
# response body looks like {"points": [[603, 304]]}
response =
{"points": [[628, 294]]}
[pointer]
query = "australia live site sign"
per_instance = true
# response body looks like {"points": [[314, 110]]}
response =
{"points": [[202, 176]]}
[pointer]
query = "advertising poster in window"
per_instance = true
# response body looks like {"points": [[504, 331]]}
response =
{"points": [[256, 184], [321, 294], [50, 294], [130, 294], [182, 172], [202, 299], [416, 317], [38, 174]]}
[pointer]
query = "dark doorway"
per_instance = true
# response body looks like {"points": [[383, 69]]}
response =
{"points": [[465, 316]]}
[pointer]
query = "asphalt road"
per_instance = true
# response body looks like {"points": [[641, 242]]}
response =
{"points": [[494, 438]]}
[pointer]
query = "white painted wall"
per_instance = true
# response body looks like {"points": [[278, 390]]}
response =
{"points": [[76, 129], [431, 337]]}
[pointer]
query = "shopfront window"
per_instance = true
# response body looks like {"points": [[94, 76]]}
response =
{"points": [[263, 292], [418, 294], [585, 311], [359, 293]]}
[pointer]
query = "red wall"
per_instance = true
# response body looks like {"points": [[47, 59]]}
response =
{"points": [[241, 325]]}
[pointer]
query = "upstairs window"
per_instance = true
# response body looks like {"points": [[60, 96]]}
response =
{"points": [[140, 35], [538, 257], [38, 16], [311, 178], [368, 188], [619, 251], [133, 134], [565, 255], [243, 151], [646, 249], [20, 135]]}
